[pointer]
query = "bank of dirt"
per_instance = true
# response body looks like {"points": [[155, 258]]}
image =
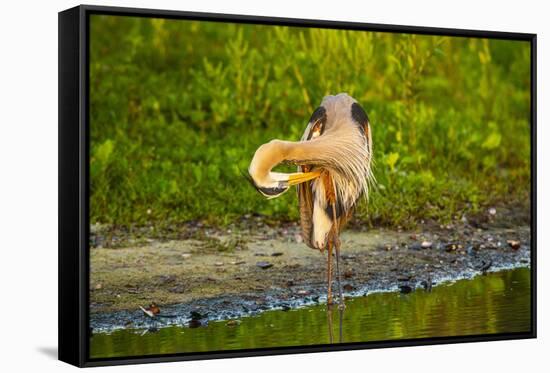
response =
{"points": [[217, 272]]}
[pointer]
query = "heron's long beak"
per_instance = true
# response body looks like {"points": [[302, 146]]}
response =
{"points": [[302, 177]]}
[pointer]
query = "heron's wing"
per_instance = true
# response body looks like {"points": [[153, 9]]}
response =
{"points": [[362, 119], [305, 200]]}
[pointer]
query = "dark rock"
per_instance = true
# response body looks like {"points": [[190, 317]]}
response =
{"points": [[277, 254], [348, 256], [194, 323], [348, 287], [405, 289], [264, 265], [197, 315], [415, 246]]}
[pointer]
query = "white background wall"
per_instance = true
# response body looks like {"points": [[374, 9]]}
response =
{"points": [[28, 184]]}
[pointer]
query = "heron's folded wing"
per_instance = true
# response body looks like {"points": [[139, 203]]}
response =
{"points": [[305, 198]]}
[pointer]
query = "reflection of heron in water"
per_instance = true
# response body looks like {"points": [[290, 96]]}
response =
{"points": [[334, 170], [340, 325]]}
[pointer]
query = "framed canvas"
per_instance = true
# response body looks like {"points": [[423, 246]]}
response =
{"points": [[408, 155]]}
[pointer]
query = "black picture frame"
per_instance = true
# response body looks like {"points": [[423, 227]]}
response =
{"points": [[74, 147]]}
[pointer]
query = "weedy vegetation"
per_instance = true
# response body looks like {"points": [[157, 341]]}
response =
{"points": [[178, 108]]}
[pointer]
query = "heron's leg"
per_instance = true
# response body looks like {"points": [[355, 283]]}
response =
{"points": [[341, 304], [341, 323], [336, 238], [329, 322], [329, 273]]}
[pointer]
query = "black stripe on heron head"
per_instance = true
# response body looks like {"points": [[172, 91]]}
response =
{"points": [[318, 116], [359, 116]]}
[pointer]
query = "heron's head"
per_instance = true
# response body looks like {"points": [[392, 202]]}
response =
{"points": [[272, 184]]}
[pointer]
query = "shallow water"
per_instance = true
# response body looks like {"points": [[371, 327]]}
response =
{"points": [[498, 302]]}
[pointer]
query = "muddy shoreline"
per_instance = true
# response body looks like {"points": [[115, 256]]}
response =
{"points": [[235, 273]]}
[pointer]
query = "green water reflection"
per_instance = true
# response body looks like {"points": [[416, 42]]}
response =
{"points": [[496, 303]]}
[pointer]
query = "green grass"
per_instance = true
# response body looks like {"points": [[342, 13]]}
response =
{"points": [[179, 107]]}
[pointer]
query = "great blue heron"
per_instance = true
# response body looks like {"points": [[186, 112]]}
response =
{"points": [[334, 160]]}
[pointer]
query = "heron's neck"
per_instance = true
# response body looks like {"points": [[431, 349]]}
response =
{"points": [[270, 155]]}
